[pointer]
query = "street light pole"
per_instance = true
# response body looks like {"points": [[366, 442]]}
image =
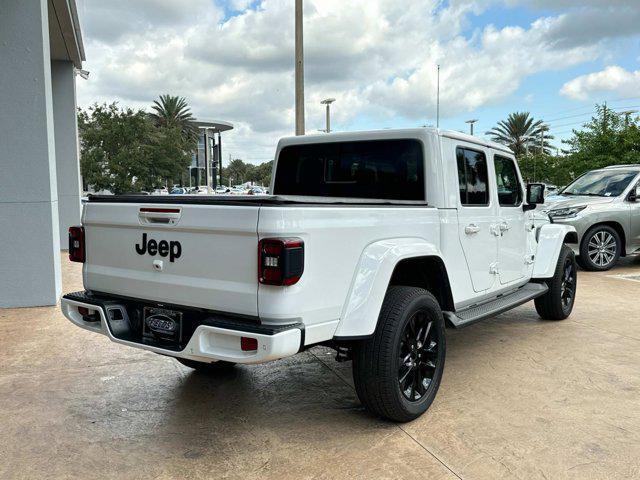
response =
{"points": [[471, 122], [300, 128], [328, 103]]}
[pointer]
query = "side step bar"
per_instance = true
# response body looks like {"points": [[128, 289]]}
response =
{"points": [[494, 307]]}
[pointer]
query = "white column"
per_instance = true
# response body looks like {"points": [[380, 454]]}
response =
{"points": [[66, 141], [29, 236]]}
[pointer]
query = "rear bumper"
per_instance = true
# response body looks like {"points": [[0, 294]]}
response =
{"points": [[219, 340]]}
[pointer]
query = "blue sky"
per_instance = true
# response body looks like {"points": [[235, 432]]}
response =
{"points": [[233, 60]]}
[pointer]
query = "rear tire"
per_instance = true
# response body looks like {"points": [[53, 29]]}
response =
{"points": [[557, 303], [600, 249], [397, 371], [204, 367]]}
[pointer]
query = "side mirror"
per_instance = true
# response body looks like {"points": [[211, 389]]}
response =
{"points": [[633, 194], [535, 196]]}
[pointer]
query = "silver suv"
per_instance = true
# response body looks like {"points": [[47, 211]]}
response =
{"points": [[604, 207]]}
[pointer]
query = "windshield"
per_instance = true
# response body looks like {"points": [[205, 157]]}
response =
{"points": [[601, 183]]}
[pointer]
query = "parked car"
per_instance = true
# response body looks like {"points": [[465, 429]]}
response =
{"points": [[203, 190], [179, 191], [256, 191], [370, 243], [604, 207], [161, 191], [222, 190]]}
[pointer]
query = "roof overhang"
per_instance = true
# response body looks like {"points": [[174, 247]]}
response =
{"points": [[216, 126], [65, 36]]}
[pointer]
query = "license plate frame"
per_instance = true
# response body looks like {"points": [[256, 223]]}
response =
{"points": [[162, 325]]}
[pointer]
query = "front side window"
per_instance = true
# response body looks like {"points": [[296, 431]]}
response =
{"points": [[379, 169], [509, 188], [472, 177]]}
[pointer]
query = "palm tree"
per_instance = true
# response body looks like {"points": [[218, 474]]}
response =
{"points": [[522, 133], [172, 111]]}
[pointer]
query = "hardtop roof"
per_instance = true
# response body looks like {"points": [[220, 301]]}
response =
{"points": [[416, 133]]}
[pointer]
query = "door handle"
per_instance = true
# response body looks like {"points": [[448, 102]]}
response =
{"points": [[504, 226], [471, 229]]}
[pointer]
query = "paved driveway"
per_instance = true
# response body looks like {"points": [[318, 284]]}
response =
{"points": [[521, 398]]}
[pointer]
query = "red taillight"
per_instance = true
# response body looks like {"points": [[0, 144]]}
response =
{"points": [[280, 261], [76, 244], [84, 311], [248, 344]]}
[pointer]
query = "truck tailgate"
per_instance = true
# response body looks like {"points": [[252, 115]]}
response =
{"points": [[201, 256]]}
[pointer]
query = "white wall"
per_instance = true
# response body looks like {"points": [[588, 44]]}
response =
{"points": [[66, 144], [29, 226]]}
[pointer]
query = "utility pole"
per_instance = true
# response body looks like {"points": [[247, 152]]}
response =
{"points": [[471, 122], [438, 101], [328, 103], [299, 70], [627, 115]]}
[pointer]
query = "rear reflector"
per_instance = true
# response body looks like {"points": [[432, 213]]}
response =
{"points": [[76, 244], [83, 311], [280, 261], [248, 344]]}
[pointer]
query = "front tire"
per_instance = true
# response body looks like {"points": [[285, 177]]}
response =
{"points": [[600, 249], [397, 372], [557, 303]]}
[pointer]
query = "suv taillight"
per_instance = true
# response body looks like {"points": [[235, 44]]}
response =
{"points": [[76, 244], [280, 261]]}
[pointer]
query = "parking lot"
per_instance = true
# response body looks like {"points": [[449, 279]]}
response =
{"points": [[521, 398]]}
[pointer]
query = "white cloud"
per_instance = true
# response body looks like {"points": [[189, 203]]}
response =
{"points": [[613, 79], [377, 57]]}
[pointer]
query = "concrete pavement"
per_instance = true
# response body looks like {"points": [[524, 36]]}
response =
{"points": [[521, 398]]}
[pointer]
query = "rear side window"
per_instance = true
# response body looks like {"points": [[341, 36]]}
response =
{"points": [[509, 188], [381, 169], [472, 177]]}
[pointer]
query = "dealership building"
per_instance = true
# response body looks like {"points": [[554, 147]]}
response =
{"points": [[41, 52]]}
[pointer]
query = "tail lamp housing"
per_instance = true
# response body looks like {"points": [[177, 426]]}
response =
{"points": [[76, 244], [280, 261]]}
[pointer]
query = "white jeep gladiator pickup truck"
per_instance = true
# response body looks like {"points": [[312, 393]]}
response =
{"points": [[370, 243]]}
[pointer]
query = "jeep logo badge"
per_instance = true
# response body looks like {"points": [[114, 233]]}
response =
{"points": [[173, 250]]}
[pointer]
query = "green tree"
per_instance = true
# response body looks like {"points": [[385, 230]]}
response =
{"points": [[174, 112], [121, 150], [241, 172], [556, 170], [236, 171], [263, 173], [608, 139], [170, 156], [114, 153], [522, 133]]}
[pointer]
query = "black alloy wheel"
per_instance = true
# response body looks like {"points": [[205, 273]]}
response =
{"points": [[418, 357], [568, 285]]}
